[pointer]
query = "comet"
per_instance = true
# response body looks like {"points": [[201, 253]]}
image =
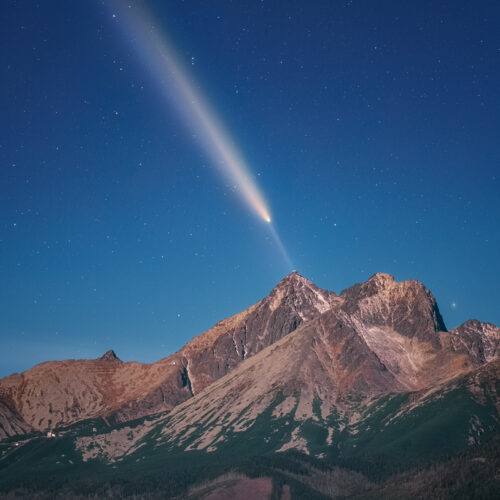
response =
{"points": [[157, 54]]}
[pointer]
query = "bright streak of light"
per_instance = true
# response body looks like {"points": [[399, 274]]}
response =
{"points": [[158, 55]]}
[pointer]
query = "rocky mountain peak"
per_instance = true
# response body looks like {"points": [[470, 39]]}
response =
{"points": [[296, 293], [474, 324], [293, 279], [382, 280], [109, 356], [291, 302], [294, 283], [480, 340], [377, 283], [406, 306]]}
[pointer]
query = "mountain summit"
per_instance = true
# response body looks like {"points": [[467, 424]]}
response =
{"points": [[109, 356]]}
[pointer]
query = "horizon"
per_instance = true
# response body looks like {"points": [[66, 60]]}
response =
{"points": [[146, 150]]}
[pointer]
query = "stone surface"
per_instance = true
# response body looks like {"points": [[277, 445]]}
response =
{"points": [[109, 356], [481, 341]]}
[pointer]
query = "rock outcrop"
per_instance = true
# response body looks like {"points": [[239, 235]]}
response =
{"points": [[110, 356], [480, 341]]}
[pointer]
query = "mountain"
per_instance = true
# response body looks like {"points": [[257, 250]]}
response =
{"points": [[348, 353], [315, 393], [61, 393]]}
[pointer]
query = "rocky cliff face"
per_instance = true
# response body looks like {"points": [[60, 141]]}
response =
{"points": [[406, 307], [11, 423], [375, 338], [480, 341], [293, 301]]}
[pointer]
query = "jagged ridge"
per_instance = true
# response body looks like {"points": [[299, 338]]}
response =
{"points": [[376, 337]]}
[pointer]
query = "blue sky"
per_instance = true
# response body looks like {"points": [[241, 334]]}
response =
{"points": [[371, 128]]}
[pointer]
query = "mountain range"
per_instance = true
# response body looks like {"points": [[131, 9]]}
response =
{"points": [[305, 394]]}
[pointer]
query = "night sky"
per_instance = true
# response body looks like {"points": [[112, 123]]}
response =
{"points": [[370, 128]]}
